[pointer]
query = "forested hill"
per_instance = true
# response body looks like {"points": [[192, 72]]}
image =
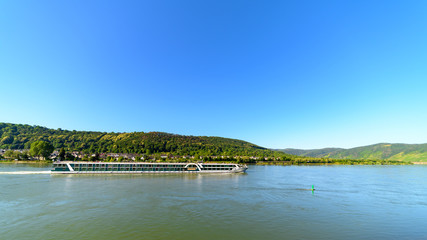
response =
{"points": [[310, 153], [402, 152], [19, 136]]}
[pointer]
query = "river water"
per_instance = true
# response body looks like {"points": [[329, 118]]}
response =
{"points": [[269, 202]]}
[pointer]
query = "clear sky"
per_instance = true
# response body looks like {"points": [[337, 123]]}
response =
{"points": [[301, 74]]}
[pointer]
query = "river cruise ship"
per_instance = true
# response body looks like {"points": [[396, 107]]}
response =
{"points": [[144, 167]]}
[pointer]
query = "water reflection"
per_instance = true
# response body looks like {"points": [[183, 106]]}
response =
{"points": [[266, 203]]}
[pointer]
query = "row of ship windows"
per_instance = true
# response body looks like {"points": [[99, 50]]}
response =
{"points": [[138, 165], [133, 167], [139, 169], [124, 165], [127, 169]]}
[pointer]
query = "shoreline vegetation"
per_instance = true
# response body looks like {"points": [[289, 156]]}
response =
{"points": [[27, 143], [265, 162]]}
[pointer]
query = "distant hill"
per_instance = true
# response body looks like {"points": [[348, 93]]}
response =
{"points": [[20, 136], [309, 153], [389, 151]]}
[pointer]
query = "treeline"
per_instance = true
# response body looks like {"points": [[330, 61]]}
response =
{"points": [[19, 136], [311, 160], [18, 155], [93, 146], [40, 150], [391, 151]]}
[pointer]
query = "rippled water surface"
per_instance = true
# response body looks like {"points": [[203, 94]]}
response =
{"points": [[269, 202]]}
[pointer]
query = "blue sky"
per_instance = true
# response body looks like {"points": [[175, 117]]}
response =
{"points": [[301, 74]]}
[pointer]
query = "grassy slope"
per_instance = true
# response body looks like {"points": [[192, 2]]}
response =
{"points": [[400, 152], [324, 152]]}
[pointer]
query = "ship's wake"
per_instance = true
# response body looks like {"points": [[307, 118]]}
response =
{"points": [[24, 172]]}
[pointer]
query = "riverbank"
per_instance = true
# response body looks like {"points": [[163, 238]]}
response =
{"points": [[330, 164], [24, 161], [280, 163]]}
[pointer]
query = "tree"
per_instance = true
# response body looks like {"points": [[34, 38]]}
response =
{"points": [[62, 154], [69, 156], [41, 149], [95, 158], [24, 155], [6, 140], [10, 154], [17, 155]]}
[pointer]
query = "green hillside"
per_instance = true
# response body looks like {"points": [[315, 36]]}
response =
{"points": [[381, 151], [310, 153], [19, 136]]}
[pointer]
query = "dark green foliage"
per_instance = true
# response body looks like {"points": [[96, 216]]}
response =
{"points": [[69, 156], [6, 140], [61, 154], [152, 145], [41, 149], [16, 155], [18, 136], [95, 158]]}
